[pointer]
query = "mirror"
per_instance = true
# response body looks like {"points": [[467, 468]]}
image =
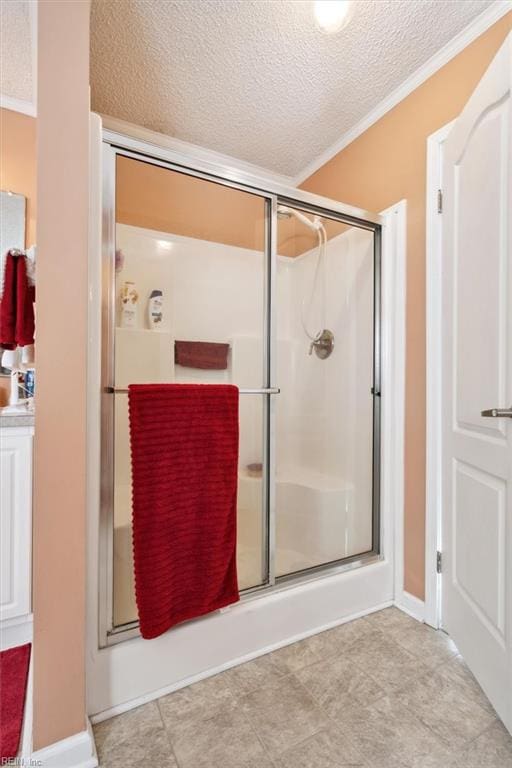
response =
{"points": [[12, 232], [12, 222]]}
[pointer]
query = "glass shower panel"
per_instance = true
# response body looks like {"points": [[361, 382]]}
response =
{"points": [[190, 278], [324, 430]]}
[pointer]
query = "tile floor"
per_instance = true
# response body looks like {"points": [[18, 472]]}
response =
{"points": [[382, 692]]}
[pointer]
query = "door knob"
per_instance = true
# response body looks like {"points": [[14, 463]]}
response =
{"points": [[498, 413]]}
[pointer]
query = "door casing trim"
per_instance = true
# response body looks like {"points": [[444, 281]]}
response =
{"points": [[433, 502]]}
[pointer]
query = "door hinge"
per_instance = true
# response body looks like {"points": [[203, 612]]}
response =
{"points": [[439, 200], [439, 562]]}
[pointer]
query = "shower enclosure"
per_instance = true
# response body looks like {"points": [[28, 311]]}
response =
{"points": [[274, 290]]}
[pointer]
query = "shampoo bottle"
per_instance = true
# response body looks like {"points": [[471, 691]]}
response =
{"points": [[129, 298], [155, 309]]}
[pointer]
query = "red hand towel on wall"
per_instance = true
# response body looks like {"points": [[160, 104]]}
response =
{"points": [[25, 297], [184, 453], [8, 304], [17, 305], [201, 354]]}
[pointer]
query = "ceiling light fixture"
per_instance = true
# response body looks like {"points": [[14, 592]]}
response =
{"points": [[332, 15]]}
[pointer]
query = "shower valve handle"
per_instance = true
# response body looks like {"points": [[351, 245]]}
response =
{"points": [[322, 344]]}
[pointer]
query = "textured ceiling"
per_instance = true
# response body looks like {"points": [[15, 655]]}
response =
{"points": [[15, 50], [256, 79]]}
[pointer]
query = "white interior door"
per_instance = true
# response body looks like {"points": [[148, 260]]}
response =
{"points": [[477, 375]]}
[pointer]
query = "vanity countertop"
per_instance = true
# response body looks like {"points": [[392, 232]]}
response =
{"points": [[16, 419]]}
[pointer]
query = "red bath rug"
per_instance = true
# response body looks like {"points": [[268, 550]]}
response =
{"points": [[14, 664]]}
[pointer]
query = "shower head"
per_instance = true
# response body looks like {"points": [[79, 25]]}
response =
{"points": [[284, 212]]}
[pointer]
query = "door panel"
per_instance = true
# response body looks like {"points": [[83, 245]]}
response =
{"points": [[480, 304], [325, 412], [479, 502], [203, 246], [477, 375]]}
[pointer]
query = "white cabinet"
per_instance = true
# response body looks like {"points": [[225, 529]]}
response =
{"points": [[15, 521]]}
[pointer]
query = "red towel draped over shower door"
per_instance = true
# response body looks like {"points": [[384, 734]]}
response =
{"points": [[184, 452]]}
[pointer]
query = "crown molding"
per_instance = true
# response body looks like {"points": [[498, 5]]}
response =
{"points": [[192, 150], [477, 27], [18, 105]]}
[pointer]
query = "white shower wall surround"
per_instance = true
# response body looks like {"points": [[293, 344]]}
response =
{"points": [[324, 411]]}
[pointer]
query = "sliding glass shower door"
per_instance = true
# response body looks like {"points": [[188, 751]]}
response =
{"points": [[325, 412], [190, 281], [210, 280]]}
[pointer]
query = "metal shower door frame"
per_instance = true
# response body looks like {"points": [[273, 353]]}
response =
{"points": [[273, 194]]}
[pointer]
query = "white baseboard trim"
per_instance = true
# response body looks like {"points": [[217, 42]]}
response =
{"points": [[411, 605], [77, 751], [140, 700]]}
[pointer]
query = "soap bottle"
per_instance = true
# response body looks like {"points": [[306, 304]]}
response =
{"points": [[129, 299], [155, 309]]}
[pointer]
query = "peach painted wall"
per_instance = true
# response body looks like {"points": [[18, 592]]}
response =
{"points": [[18, 174], [384, 165], [155, 198], [60, 432], [18, 162]]}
